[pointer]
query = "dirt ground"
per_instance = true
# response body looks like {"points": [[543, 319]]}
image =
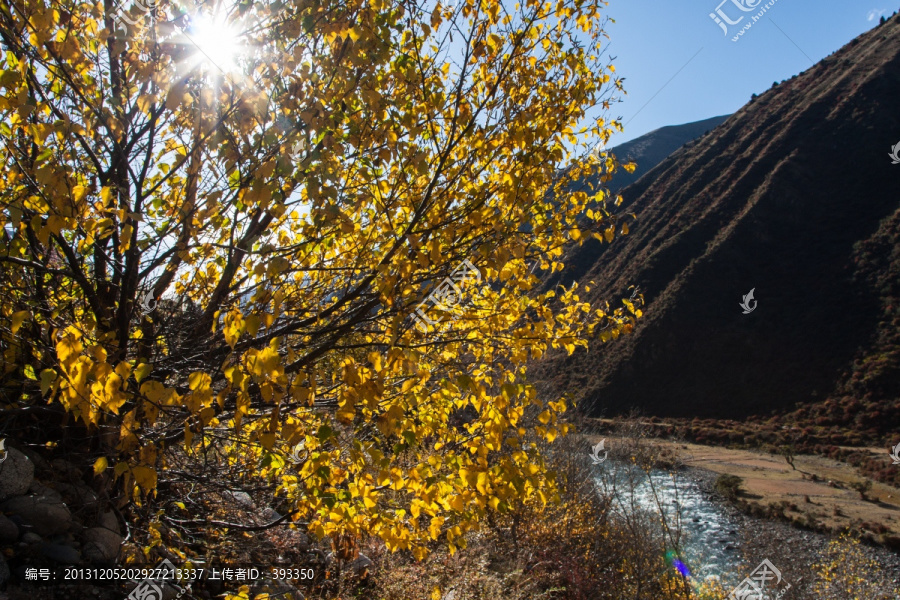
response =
{"points": [[817, 486]]}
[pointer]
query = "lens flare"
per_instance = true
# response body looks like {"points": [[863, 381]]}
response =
{"points": [[217, 41]]}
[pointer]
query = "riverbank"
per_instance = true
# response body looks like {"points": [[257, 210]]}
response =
{"points": [[814, 492], [794, 551]]}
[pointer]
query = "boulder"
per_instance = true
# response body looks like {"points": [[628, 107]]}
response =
{"points": [[4, 572], [40, 489], [66, 469], [101, 545], [78, 495], [109, 521], [362, 565], [242, 498], [9, 532], [31, 537], [45, 514], [270, 514], [61, 553], [16, 474], [40, 464]]}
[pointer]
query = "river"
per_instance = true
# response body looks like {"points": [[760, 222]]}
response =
{"points": [[709, 540]]}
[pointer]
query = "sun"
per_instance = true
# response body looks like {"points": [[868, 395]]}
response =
{"points": [[218, 42]]}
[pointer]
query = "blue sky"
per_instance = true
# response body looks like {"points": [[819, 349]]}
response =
{"points": [[655, 39]]}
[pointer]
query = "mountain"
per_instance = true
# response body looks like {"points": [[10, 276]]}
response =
{"points": [[650, 149], [793, 197], [645, 152]]}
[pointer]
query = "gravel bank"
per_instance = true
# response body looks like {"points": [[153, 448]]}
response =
{"points": [[792, 550]]}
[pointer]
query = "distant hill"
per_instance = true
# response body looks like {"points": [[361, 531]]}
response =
{"points": [[651, 148], [793, 196]]}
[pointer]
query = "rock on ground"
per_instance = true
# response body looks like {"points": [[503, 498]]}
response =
{"points": [[361, 565], [38, 488], [31, 537], [47, 515], [242, 498], [4, 572], [78, 495], [9, 532], [101, 545], [66, 469], [108, 520], [16, 474], [61, 553]]}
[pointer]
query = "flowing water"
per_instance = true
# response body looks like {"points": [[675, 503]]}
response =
{"points": [[710, 544]]}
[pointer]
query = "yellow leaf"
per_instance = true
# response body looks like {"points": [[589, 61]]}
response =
{"points": [[176, 96], [609, 234], [48, 376], [125, 237], [145, 102], [100, 465], [252, 324], [482, 484], [142, 371], [267, 440], [375, 359], [145, 477], [345, 413], [159, 394], [199, 382], [18, 318]]}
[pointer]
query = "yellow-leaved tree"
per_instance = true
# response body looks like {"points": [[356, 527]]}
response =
{"points": [[297, 243]]}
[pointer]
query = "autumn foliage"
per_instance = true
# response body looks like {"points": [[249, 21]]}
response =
{"points": [[214, 271]]}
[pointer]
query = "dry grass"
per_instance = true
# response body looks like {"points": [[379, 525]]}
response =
{"points": [[578, 548], [769, 481]]}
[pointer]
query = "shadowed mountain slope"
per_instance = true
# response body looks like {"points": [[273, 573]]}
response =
{"points": [[652, 148], [645, 152], [792, 196]]}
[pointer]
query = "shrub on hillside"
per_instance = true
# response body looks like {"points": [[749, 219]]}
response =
{"points": [[847, 572], [729, 485], [580, 545]]}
